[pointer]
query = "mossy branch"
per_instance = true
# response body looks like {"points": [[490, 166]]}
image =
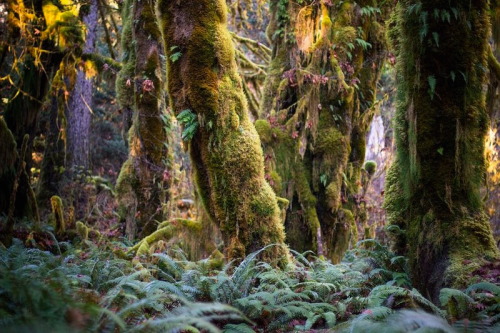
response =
{"points": [[101, 62], [165, 231]]}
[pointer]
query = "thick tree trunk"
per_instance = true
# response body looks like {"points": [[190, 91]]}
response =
{"points": [[143, 181], [225, 149], [319, 100], [79, 116], [67, 144], [21, 116], [433, 188], [80, 103]]}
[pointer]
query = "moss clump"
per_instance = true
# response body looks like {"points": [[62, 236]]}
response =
{"points": [[264, 129], [82, 230], [216, 260], [58, 214], [330, 141], [370, 167]]}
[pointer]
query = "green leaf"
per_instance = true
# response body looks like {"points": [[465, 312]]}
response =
{"points": [[440, 151], [190, 122], [435, 35], [432, 85], [175, 56], [364, 44], [324, 179]]}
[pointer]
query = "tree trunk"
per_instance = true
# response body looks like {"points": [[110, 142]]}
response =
{"points": [[144, 179], [205, 88], [433, 187], [66, 155], [80, 117], [319, 100]]}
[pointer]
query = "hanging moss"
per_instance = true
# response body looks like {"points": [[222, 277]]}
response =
{"points": [[226, 150]]}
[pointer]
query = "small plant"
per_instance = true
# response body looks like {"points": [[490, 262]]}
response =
{"points": [[189, 120], [175, 55]]}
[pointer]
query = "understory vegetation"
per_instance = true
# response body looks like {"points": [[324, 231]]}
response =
{"points": [[89, 286]]}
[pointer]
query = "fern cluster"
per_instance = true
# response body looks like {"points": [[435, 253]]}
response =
{"points": [[89, 289]]}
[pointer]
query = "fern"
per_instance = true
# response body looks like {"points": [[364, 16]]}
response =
{"points": [[457, 303], [189, 120]]}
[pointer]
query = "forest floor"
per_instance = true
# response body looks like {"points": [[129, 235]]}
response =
{"points": [[91, 283]]}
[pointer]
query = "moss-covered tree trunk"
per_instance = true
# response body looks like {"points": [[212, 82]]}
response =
{"points": [[35, 70], [205, 89], [9, 156], [21, 116], [144, 179], [432, 193], [319, 100]]}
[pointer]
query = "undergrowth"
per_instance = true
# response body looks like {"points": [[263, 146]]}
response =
{"points": [[83, 287]]}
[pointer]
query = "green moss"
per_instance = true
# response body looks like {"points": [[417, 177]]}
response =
{"points": [[277, 182], [263, 127], [141, 187], [370, 167], [317, 146], [216, 260], [125, 79], [344, 231], [58, 214], [82, 230], [330, 141]]}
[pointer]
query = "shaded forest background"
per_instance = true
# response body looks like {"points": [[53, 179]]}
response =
{"points": [[121, 211]]}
